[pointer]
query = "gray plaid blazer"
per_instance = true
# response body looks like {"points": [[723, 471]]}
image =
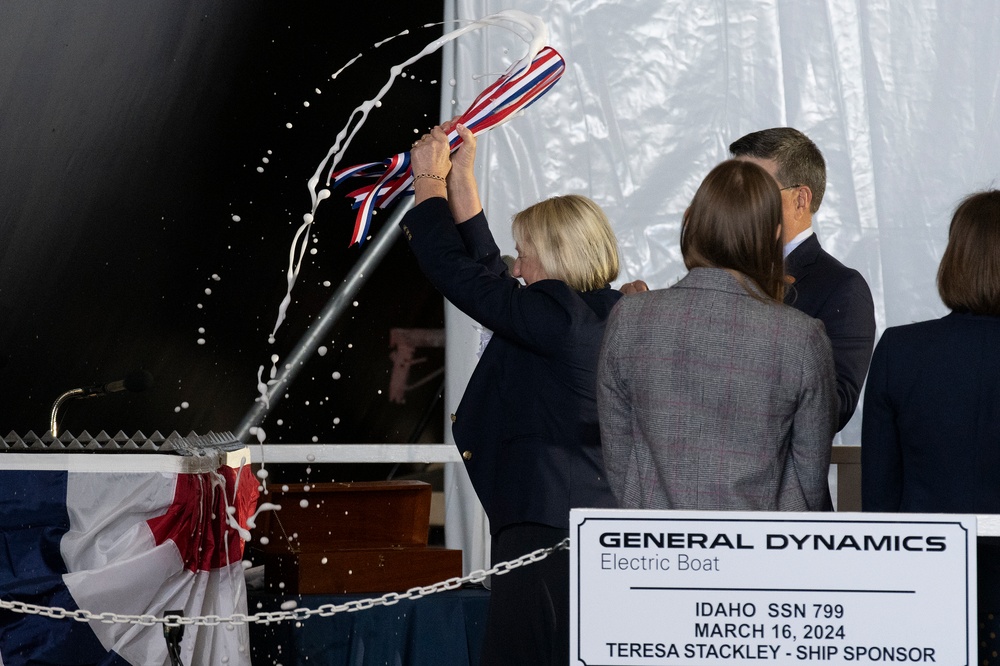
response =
{"points": [[711, 399]]}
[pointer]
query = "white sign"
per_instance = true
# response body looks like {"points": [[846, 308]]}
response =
{"points": [[693, 588]]}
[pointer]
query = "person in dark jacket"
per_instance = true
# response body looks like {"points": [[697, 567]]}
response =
{"points": [[527, 423], [930, 435], [821, 286]]}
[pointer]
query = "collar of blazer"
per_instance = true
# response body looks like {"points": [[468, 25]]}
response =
{"points": [[802, 257], [718, 279]]}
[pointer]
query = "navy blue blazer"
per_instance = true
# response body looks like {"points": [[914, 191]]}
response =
{"points": [[527, 423], [827, 290], [930, 437]]}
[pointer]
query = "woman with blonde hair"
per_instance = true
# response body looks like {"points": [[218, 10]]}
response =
{"points": [[527, 423]]}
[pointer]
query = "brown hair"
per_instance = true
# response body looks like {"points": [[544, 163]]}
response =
{"points": [[969, 275], [733, 222], [573, 239], [799, 160]]}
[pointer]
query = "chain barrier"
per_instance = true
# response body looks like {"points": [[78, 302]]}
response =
{"points": [[298, 614]]}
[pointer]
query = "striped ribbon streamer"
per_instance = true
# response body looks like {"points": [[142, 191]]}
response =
{"points": [[497, 104]]}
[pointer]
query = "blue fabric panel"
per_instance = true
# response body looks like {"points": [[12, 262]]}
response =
{"points": [[33, 520]]}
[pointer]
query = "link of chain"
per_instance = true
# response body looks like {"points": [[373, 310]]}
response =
{"points": [[298, 614]]}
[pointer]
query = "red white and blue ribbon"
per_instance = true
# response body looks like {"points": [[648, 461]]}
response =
{"points": [[512, 92]]}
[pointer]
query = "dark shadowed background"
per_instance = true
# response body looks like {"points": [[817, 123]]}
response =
{"points": [[130, 135]]}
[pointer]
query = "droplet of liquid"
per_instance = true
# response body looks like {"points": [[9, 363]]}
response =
{"points": [[236, 218], [321, 350], [304, 503], [336, 375], [288, 125]]}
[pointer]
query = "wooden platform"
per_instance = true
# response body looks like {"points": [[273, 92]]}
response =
{"points": [[344, 538]]}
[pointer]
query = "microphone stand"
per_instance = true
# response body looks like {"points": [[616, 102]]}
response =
{"points": [[68, 395]]}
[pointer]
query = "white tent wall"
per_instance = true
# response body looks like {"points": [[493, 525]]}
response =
{"points": [[902, 97]]}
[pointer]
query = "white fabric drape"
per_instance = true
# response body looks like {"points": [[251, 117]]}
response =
{"points": [[903, 98]]}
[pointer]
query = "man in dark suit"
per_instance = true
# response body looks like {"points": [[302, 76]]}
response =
{"points": [[823, 287]]}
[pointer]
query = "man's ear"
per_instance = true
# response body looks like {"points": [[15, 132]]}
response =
{"points": [[803, 198]]}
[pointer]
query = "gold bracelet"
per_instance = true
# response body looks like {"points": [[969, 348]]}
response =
{"points": [[431, 176]]}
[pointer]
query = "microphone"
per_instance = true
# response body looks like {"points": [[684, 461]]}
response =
{"points": [[136, 381]]}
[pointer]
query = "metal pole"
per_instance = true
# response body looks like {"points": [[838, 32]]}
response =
{"points": [[332, 311]]}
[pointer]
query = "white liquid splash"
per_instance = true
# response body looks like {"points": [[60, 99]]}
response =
{"points": [[263, 506], [531, 29]]}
